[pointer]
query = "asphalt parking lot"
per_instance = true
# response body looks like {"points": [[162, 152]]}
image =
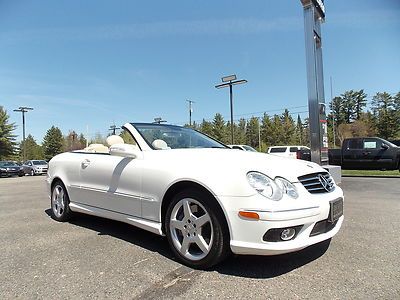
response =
{"points": [[93, 257]]}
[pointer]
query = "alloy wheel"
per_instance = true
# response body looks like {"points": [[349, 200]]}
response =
{"points": [[58, 201], [191, 229]]}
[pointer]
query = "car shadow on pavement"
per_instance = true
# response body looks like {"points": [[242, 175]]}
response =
{"points": [[252, 266], [248, 266], [122, 231]]}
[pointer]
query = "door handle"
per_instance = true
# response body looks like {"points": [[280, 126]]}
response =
{"points": [[85, 163], [366, 152]]}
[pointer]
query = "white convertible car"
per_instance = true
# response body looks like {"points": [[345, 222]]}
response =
{"points": [[208, 199]]}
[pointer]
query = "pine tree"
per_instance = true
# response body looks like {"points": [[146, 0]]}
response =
{"points": [[206, 128], [360, 103], [7, 138], [348, 106], [396, 99], [33, 150], [82, 140], [267, 130], [289, 128], [336, 107], [219, 129], [252, 128], [52, 142], [240, 132], [384, 111], [299, 131], [277, 131]]}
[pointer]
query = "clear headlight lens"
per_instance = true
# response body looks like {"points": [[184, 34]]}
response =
{"points": [[272, 189], [264, 185], [287, 187]]}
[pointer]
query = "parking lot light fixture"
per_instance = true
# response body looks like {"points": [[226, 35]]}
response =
{"points": [[229, 81], [23, 110]]}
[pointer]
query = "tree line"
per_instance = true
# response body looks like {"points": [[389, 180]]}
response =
{"points": [[54, 142], [351, 115]]}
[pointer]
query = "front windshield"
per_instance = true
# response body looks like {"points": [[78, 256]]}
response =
{"points": [[248, 148], [39, 162], [7, 164], [175, 137]]}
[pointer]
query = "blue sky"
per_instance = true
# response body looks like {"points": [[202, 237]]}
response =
{"points": [[92, 63]]}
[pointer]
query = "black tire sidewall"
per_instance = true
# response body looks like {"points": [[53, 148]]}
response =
{"points": [[220, 247], [66, 215]]}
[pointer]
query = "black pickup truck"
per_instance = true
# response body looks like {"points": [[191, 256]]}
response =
{"points": [[371, 153]]}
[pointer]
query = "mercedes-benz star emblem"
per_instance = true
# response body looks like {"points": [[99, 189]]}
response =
{"points": [[326, 184]]}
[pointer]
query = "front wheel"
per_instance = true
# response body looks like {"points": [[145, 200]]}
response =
{"points": [[32, 172], [60, 210], [196, 229]]}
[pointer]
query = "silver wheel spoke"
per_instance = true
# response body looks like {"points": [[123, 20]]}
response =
{"points": [[185, 246], [186, 209], [177, 224], [202, 244], [202, 220], [59, 208]]}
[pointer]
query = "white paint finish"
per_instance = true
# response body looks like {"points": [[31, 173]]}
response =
{"points": [[131, 190], [111, 182]]}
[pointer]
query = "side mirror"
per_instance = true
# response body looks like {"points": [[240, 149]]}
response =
{"points": [[125, 150], [384, 147]]}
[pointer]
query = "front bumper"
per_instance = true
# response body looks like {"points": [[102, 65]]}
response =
{"points": [[305, 212], [40, 171]]}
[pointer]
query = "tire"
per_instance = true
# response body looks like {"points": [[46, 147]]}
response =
{"points": [[59, 203], [196, 229], [32, 172]]}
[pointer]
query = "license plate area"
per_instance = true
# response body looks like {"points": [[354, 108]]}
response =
{"points": [[336, 210]]}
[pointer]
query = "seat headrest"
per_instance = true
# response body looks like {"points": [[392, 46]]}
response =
{"points": [[96, 148], [160, 145], [114, 139]]}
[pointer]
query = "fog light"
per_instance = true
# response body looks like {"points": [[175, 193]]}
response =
{"points": [[287, 234]]}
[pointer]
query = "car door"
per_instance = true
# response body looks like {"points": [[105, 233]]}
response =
{"points": [[111, 182], [375, 156], [352, 152]]}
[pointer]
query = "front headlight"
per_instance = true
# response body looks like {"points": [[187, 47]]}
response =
{"points": [[287, 187], [264, 185]]}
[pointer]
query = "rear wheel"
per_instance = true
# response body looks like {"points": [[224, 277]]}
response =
{"points": [[196, 229], [60, 210]]}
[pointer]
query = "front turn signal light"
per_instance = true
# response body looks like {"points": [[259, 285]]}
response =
{"points": [[249, 215]]}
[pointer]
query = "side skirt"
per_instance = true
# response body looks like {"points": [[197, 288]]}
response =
{"points": [[151, 226]]}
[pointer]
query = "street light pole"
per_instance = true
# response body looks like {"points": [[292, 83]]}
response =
{"points": [[159, 120], [190, 111], [230, 81], [23, 110]]}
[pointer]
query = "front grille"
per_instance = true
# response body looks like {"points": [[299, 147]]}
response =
{"points": [[323, 226], [317, 183]]}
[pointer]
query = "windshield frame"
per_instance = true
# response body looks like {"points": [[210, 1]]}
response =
{"points": [[138, 129]]}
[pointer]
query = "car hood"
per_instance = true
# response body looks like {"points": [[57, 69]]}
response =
{"points": [[233, 161]]}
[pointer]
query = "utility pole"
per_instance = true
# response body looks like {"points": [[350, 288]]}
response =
{"points": [[113, 128], [190, 111], [23, 110]]}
